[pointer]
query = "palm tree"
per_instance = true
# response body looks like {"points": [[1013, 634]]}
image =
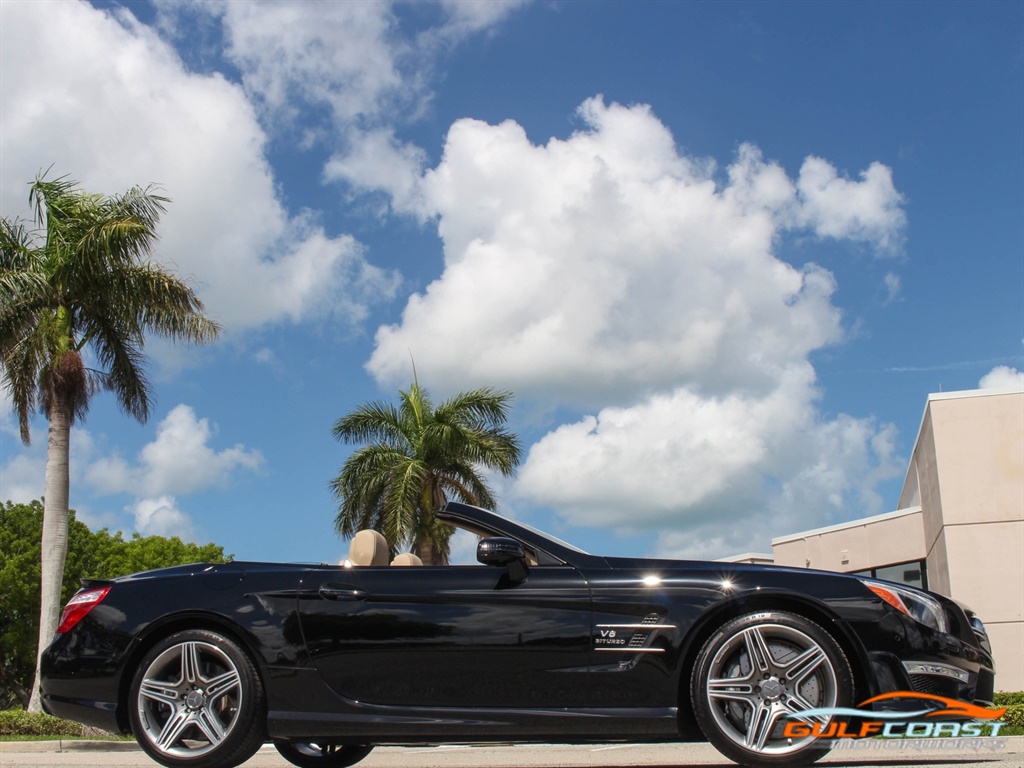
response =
{"points": [[82, 282], [416, 458]]}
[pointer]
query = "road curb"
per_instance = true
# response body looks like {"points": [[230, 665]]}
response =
{"points": [[700, 751], [69, 745]]}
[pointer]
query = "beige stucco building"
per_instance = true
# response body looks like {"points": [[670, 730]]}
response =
{"points": [[959, 528]]}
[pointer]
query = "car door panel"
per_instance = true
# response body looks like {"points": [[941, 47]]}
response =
{"points": [[452, 636]]}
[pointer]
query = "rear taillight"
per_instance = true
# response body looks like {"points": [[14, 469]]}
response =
{"points": [[79, 605]]}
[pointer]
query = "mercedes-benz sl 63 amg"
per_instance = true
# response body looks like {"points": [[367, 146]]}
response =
{"points": [[539, 642]]}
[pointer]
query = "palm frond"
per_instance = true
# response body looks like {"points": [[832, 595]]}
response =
{"points": [[22, 365], [402, 502], [21, 315], [124, 363], [20, 286], [372, 422], [418, 457], [16, 247], [477, 407], [147, 298], [415, 405], [88, 283], [124, 227], [53, 199], [361, 487]]}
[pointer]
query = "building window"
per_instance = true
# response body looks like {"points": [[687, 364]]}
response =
{"points": [[912, 573]]}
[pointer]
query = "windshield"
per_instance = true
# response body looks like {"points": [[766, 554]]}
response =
{"points": [[549, 537]]}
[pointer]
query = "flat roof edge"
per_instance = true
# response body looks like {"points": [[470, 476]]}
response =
{"points": [[1013, 389], [847, 525], [746, 556]]}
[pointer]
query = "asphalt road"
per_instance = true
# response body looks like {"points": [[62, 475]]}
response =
{"points": [[1009, 753]]}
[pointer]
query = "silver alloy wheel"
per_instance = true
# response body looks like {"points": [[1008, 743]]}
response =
{"points": [[188, 699], [761, 674]]}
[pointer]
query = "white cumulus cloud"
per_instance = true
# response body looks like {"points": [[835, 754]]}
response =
{"points": [[746, 465], [177, 462], [357, 63], [161, 517], [611, 275], [868, 210], [1002, 376], [608, 264], [344, 55], [893, 287], [104, 100], [21, 477], [23, 468]]}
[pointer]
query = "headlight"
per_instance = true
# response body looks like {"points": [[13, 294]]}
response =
{"points": [[917, 605]]}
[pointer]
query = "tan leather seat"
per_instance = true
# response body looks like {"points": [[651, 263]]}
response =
{"points": [[367, 548], [406, 558]]}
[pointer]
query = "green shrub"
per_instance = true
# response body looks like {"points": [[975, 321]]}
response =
{"points": [[18, 722], [1006, 698], [1014, 715]]}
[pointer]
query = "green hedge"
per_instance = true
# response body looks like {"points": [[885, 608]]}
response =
{"points": [[1005, 699], [18, 722], [1014, 715]]}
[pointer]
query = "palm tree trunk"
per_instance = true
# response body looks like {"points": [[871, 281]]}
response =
{"points": [[425, 550], [55, 532]]}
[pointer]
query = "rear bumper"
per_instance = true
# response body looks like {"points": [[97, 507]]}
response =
{"points": [[81, 689], [98, 714]]}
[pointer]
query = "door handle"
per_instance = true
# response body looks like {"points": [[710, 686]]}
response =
{"points": [[341, 592]]}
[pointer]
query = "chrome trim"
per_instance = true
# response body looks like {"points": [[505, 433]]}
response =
{"points": [[932, 668], [640, 642]]}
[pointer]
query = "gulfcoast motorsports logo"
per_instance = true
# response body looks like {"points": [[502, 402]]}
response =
{"points": [[940, 723]]}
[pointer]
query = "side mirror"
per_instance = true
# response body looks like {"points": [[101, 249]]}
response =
{"points": [[504, 552]]}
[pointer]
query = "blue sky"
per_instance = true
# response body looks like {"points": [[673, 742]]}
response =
{"points": [[721, 252]]}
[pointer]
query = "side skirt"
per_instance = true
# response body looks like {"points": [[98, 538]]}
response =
{"points": [[415, 725]]}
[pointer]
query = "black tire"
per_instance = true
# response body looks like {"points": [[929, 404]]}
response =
{"points": [[322, 755], [196, 701], [741, 706]]}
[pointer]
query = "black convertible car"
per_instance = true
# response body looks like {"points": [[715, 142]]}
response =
{"points": [[540, 642]]}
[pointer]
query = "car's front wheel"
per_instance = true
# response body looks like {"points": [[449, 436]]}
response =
{"points": [[758, 670], [321, 755], [197, 702]]}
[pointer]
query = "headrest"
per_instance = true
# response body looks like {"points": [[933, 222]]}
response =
{"points": [[406, 558], [368, 548]]}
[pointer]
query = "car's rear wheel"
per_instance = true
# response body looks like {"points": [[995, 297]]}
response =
{"points": [[757, 670], [197, 702], [322, 755]]}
